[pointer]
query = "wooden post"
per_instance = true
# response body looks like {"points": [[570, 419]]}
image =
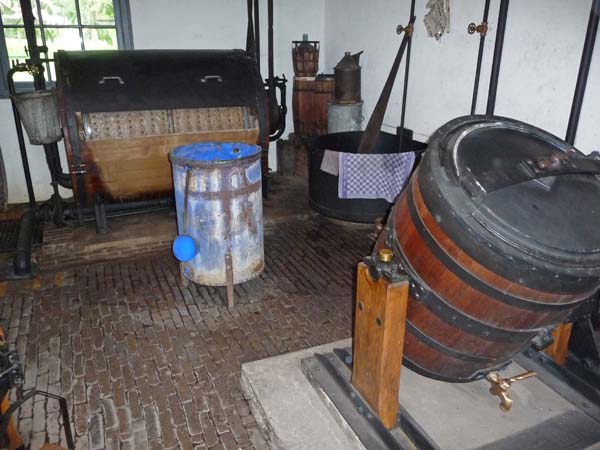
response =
{"points": [[379, 342], [560, 347]]}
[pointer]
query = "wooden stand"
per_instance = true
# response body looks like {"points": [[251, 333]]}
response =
{"points": [[379, 342], [559, 349]]}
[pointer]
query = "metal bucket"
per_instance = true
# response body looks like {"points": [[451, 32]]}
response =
{"points": [[218, 196], [39, 114], [344, 117]]}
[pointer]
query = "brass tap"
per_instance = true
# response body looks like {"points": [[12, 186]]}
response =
{"points": [[501, 386], [385, 255], [408, 29], [482, 28]]}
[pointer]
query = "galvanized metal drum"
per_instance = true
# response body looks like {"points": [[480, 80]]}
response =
{"points": [[344, 117], [39, 114], [218, 196]]}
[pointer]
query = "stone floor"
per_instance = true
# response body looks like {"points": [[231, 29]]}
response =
{"points": [[147, 363]]}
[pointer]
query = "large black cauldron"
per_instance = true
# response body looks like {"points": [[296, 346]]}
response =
{"points": [[323, 187]]}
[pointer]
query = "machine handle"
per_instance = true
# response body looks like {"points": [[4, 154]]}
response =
{"points": [[111, 77], [207, 78], [557, 164]]}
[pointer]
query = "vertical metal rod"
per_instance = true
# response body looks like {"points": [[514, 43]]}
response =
{"points": [[486, 10], [371, 133], [257, 30], [229, 280], [584, 70], [501, 27], [250, 34], [406, 73], [270, 43], [34, 51]]}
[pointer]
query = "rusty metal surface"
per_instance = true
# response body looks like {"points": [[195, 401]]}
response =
{"points": [[224, 215]]}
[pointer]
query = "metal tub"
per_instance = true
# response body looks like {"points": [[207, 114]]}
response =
{"points": [[218, 196]]}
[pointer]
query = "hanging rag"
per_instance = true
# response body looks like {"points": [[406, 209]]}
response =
{"points": [[374, 176]]}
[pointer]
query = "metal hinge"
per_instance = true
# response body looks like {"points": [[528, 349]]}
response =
{"points": [[78, 169]]}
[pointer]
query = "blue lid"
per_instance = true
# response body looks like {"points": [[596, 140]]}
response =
{"points": [[213, 151]]}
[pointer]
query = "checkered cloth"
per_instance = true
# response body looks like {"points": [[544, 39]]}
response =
{"points": [[374, 176]]}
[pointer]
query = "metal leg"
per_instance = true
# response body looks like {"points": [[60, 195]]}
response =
{"points": [[100, 215], [184, 280], [229, 278]]}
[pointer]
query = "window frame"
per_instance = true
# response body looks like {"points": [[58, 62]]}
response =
{"points": [[122, 25]]}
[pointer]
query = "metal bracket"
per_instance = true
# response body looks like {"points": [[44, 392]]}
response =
{"points": [[385, 265], [78, 169], [482, 28], [409, 29]]}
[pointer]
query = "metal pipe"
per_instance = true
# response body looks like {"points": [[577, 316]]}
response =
{"points": [[257, 30], [270, 43], [484, 21], [22, 259], [34, 51], [584, 70], [499, 44], [406, 73], [71, 213], [250, 35]]}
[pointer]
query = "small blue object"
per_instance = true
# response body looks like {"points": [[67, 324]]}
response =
{"points": [[184, 248]]}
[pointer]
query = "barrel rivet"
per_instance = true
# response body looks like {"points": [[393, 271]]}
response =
{"points": [[385, 255]]}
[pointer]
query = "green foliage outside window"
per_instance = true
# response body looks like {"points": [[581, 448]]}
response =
{"points": [[60, 27]]}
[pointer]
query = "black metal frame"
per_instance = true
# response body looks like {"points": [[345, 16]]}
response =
{"points": [[486, 10], [497, 59], [584, 69]]}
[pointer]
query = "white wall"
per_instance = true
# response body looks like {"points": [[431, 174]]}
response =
{"points": [[542, 49], [180, 24]]}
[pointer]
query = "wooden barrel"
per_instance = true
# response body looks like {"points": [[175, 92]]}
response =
{"points": [[303, 105], [324, 93], [494, 256]]}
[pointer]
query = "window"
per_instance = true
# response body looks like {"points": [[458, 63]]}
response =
{"points": [[62, 25]]}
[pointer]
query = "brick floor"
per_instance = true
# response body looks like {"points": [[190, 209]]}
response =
{"points": [[146, 363]]}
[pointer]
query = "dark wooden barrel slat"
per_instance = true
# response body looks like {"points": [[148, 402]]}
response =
{"points": [[486, 275], [303, 105], [444, 333], [454, 290]]}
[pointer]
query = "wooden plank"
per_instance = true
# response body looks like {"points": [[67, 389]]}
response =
{"points": [[380, 320], [560, 347], [118, 150], [133, 167]]}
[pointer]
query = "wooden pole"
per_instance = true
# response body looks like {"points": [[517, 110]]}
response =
{"points": [[379, 342]]}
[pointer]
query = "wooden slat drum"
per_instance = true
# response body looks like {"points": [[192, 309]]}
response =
{"points": [[303, 105], [491, 267], [134, 106], [324, 93]]}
